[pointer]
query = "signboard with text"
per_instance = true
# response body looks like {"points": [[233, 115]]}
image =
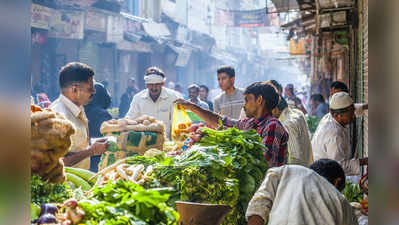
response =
{"points": [[66, 24], [40, 16]]}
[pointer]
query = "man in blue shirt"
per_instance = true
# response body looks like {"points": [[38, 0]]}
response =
{"points": [[319, 107]]}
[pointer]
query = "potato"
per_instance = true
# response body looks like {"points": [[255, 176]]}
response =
{"points": [[146, 122]]}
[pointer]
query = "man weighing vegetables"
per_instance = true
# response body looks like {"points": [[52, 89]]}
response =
{"points": [[260, 99]]}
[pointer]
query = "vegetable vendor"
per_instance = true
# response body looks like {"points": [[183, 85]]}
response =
{"points": [[156, 100], [331, 139], [260, 99], [77, 87], [294, 195]]}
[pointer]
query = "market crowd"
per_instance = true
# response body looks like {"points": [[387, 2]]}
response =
{"points": [[305, 175]]}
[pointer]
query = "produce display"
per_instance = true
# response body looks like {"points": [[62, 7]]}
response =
{"points": [[44, 192], [224, 167], [143, 123], [131, 137], [352, 192], [77, 177], [50, 140], [312, 122]]}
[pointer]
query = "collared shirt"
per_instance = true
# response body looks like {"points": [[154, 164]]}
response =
{"points": [[201, 104], [331, 141], [230, 105], [72, 112], [162, 109], [274, 136], [299, 146], [295, 195]]}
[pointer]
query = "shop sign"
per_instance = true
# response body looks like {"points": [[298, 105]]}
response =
{"points": [[96, 21], [40, 16], [297, 47], [115, 28], [66, 24]]}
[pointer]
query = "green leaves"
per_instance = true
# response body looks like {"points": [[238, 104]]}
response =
{"points": [[123, 202], [352, 192], [44, 192]]}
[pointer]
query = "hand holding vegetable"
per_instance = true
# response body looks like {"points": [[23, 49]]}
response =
{"points": [[99, 147]]}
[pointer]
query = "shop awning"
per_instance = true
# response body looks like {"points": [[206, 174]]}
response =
{"points": [[184, 55], [292, 5], [156, 30], [285, 5]]}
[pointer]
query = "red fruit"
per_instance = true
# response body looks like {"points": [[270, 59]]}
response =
{"points": [[196, 138]]}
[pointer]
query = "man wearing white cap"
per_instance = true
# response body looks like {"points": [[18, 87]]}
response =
{"points": [[331, 139], [156, 100]]}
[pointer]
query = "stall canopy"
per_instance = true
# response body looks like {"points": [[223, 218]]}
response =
{"points": [[158, 31], [292, 5]]}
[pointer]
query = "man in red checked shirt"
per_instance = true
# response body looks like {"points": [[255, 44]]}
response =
{"points": [[260, 99]]}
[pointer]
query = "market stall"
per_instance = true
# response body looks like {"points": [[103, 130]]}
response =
{"points": [[202, 169]]}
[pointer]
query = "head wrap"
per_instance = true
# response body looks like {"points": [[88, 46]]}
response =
{"points": [[153, 78]]}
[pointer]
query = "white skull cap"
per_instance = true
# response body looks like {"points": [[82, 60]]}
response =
{"points": [[340, 100]]}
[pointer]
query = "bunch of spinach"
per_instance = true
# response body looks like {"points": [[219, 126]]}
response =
{"points": [[44, 192], [352, 192], [123, 202]]}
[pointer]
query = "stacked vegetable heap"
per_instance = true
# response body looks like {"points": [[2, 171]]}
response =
{"points": [[224, 167], [220, 167]]}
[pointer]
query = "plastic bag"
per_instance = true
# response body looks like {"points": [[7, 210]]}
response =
{"points": [[181, 122]]}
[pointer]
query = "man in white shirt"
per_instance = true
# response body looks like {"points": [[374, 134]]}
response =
{"points": [[338, 86], [299, 146], [331, 138], [231, 101], [76, 82], [295, 195], [156, 100]]}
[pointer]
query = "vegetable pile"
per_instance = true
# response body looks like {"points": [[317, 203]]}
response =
{"points": [[224, 167], [124, 202], [45, 192], [312, 122], [50, 140], [352, 192]]}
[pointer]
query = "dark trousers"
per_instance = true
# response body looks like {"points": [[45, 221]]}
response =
{"points": [[94, 161]]}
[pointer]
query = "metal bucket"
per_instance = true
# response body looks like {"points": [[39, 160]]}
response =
{"points": [[201, 213]]}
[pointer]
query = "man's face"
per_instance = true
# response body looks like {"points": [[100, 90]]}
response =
{"points": [[276, 113], [333, 91], [155, 89], [193, 93], [85, 91], [131, 83], [347, 117], [288, 91], [250, 107], [203, 94], [225, 82], [314, 103]]}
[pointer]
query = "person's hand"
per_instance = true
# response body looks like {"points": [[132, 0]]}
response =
{"points": [[183, 103], [99, 147], [364, 161], [255, 220]]}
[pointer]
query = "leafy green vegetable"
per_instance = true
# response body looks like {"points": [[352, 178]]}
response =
{"points": [[123, 202], [44, 192], [312, 122], [216, 170], [352, 192], [34, 211]]}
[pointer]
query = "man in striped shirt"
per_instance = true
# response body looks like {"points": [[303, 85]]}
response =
{"points": [[231, 101]]}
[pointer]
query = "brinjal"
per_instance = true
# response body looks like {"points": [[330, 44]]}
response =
{"points": [[47, 219], [48, 208]]}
